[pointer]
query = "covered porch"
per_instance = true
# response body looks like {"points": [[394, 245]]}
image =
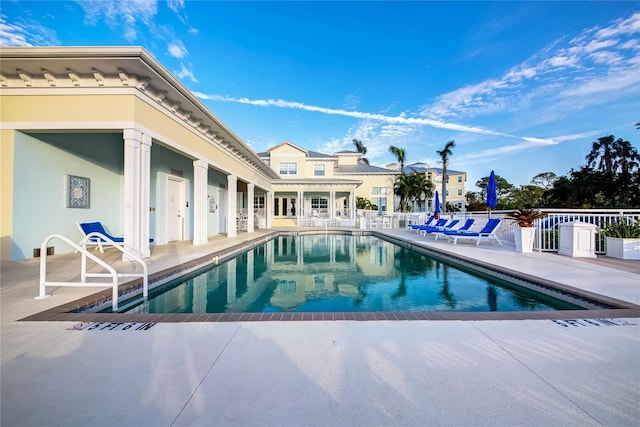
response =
{"points": [[310, 203]]}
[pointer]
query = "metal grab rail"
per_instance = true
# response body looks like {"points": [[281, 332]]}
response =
{"points": [[82, 248]]}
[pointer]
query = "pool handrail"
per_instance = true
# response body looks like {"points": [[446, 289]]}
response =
{"points": [[82, 248]]}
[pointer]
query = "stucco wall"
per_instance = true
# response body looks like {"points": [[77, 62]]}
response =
{"points": [[42, 163]]}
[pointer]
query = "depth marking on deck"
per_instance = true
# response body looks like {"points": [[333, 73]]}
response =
{"points": [[111, 326], [590, 323]]}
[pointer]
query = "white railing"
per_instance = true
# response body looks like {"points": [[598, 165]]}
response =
{"points": [[547, 233], [547, 229], [112, 273]]}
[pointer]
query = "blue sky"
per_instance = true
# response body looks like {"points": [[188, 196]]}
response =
{"points": [[522, 87]]}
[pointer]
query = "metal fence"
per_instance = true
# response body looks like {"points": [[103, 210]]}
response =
{"points": [[547, 234]]}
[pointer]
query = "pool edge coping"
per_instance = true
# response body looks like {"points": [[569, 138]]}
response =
{"points": [[68, 311]]}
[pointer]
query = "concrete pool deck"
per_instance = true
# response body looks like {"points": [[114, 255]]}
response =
{"points": [[338, 373]]}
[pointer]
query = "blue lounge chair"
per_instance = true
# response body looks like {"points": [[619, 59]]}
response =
{"points": [[416, 227], [465, 227], [449, 226], [87, 228], [487, 233], [440, 223]]}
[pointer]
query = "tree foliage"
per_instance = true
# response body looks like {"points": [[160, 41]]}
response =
{"points": [[610, 178], [360, 148], [444, 154]]}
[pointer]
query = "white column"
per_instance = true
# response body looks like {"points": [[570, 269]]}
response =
{"points": [[232, 205], [268, 201], [300, 202], [132, 142], [352, 205], [332, 204], [145, 193], [250, 220], [200, 181]]}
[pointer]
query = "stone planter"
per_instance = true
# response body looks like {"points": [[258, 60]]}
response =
{"points": [[623, 248], [524, 239]]}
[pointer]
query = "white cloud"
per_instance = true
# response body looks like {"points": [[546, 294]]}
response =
{"points": [[175, 5], [125, 14], [177, 50], [402, 119], [563, 61], [25, 33], [610, 84], [575, 136], [587, 64], [599, 44], [185, 72]]}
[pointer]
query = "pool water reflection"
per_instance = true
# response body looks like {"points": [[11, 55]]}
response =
{"points": [[339, 273]]}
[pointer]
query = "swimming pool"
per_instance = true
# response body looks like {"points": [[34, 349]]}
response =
{"points": [[340, 273]]}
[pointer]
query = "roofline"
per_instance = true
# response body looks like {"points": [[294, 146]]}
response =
{"points": [[130, 52]]}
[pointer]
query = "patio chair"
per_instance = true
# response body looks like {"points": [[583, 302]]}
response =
{"points": [[416, 227], [465, 227], [486, 234], [96, 227], [435, 229], [440, 223]]}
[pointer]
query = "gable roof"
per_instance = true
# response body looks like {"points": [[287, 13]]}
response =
{"points": [[289, 143], [308, 153]]}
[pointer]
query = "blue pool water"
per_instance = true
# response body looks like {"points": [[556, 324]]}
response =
{"points": [[339, 273]]}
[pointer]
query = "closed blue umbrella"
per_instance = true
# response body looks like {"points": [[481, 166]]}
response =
{"points": [[436, 209], [492, 197]]}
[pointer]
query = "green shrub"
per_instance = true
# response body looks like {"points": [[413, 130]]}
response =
{"points": [[624, 229]]}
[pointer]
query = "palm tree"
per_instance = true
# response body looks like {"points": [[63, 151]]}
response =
{"points": [[610, 156], [602, 153], [400, 155], [363, 203], [444, 155], [360, 148], [421, 188], [402, 188]]}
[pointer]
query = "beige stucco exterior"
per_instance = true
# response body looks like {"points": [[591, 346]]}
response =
{"points": [[56, 98], [316, 185], [121, 122]]}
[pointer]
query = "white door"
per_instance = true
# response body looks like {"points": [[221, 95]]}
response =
{"points": [[175, 210]]}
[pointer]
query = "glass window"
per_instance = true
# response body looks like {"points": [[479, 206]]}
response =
{"points": [[288, 168], [459, 178], [318, 169], [379, 197], [258, 202], [459, 192], [378, 191], [320, 204]]}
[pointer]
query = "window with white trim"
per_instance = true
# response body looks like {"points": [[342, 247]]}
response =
{"points": [[288, 168], [258, 202], [318, 169], [379, 197], [320, 204]]}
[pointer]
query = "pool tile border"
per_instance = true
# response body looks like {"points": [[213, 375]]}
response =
{"points": [[338, 316]]}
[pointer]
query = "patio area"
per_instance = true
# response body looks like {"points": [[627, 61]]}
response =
{"points": [[576, 371]]}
